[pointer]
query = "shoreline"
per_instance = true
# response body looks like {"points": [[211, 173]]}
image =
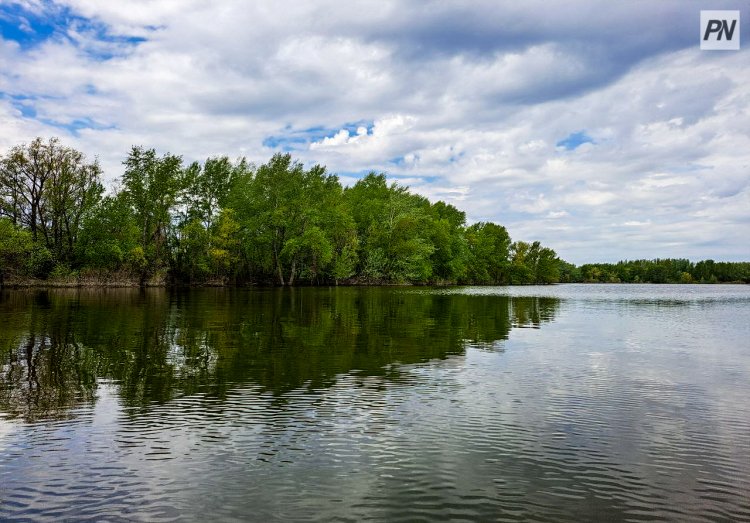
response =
{"points": [[134, 283]]}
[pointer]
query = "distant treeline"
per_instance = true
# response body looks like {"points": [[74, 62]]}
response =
{"points": [[657, 271], [231, 222]]}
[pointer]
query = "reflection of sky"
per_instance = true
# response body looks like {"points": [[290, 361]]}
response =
{"points": [[614, 407], [639, 294], [7, 432]]}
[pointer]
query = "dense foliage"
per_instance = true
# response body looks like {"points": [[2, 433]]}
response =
{"points": [[277, 223], [659, 271]]}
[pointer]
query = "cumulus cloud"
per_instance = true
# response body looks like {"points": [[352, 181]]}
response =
{"points": [[389, 136], [603, 132]]}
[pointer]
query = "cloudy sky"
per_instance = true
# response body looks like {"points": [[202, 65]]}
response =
{"points": [[600, 129]]}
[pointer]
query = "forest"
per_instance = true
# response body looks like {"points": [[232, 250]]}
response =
{"points": [[224, 222], [665, 270]]}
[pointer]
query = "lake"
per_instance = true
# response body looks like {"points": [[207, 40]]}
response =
{"points": [[558, 403]]}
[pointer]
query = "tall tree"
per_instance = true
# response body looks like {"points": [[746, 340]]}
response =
{"points": [[544, 264], [521, 268], [284, 211], [207, 187], [489, 245], [451, 255], [152, 187], [394, 230], [48, 188], [206, 190], [110, 237]]}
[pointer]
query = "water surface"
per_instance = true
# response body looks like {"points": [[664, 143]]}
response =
{"points": [[561, 403]]}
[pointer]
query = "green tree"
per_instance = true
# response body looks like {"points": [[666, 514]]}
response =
{"points": [[489, 247], [544, 264], [393, 226], [224, 253], [521, 269], [16, 246], [285, 213], [110, 237], [152, 186], [49, 188], [451, 253], [569, 273], [207, 187]]}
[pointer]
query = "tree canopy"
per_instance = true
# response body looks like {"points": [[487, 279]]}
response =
{"points": [[280, 223]]}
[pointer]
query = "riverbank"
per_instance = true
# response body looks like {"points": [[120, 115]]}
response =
{"points": [[161, 281], [89, 280]]}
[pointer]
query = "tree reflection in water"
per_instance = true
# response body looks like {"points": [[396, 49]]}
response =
{"points": [[158, 344]]}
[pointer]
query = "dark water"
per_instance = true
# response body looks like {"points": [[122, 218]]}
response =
{"points": [[565, 403]]}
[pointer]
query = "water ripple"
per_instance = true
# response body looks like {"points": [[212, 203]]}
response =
{"points": [[635, 416]]}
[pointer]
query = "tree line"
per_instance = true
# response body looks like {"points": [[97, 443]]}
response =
{"points": [[667, 270], [279, 223], [234, 222]]}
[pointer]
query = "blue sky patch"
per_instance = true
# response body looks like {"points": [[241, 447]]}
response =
{"points": [[76, 125], [27, 109], [290, 140], [284, 143], [353, 126], [575, 140], [29, 29], [25, 27], [23, 103]]}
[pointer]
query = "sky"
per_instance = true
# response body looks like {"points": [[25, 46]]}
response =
{"points": [[598, 128]]}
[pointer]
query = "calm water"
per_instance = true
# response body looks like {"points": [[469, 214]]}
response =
{"points": [[562, 403]]}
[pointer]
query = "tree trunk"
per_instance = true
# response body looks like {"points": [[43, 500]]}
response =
{"points": [[276, 259], [292, 271], [278, 269], [33, 220]]}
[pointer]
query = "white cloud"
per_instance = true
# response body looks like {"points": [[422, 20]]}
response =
{"points": [[385, 131], [470, 113]]}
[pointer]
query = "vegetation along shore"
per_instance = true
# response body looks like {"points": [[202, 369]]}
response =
{"points": [[227, 222]]}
